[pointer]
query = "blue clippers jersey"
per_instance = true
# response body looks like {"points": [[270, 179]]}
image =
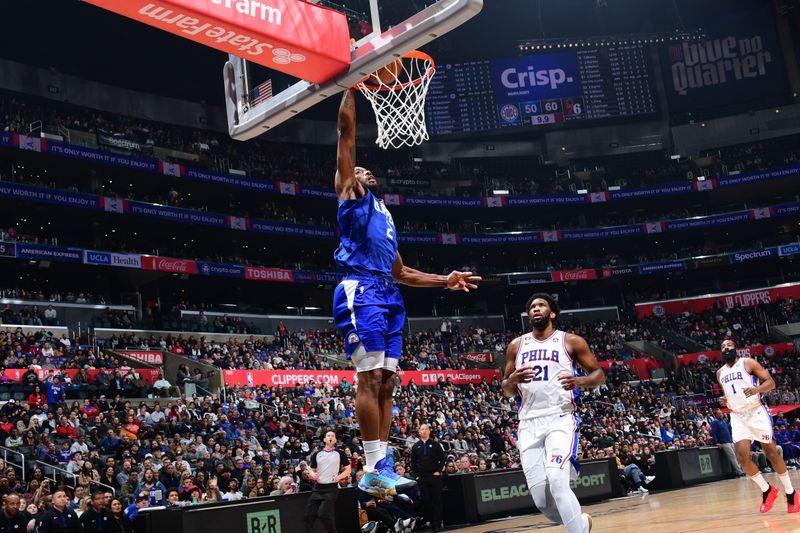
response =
{"points": [[368, 238]]}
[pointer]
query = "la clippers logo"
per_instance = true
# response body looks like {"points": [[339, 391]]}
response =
{"points": [[353, 338], [509, 113]]}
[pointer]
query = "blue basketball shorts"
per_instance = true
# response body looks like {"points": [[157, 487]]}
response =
{"points": [[370, 315]]}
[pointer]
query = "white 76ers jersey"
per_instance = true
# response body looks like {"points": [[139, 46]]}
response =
{"points": [[734, 379], [544, 395]]}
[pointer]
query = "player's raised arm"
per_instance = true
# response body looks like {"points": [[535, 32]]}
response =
{"points": [[583, 355], [455, 281], [346, 185], [512, 376], [766, 382]]}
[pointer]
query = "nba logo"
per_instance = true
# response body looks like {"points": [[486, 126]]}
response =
{"points": [[675, 53]]}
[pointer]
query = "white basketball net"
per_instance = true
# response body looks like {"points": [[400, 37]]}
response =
{"points": [[400, 106]]}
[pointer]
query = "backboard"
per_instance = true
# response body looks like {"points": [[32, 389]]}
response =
{"points": [[383, 41]]}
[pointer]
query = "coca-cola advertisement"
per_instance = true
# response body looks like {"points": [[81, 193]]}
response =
{"points": [[729, 300], [574, 275], [483, 357], [334, 378], [169, 264]]}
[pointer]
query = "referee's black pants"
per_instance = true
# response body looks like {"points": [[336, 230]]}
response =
{"points": [[430, 488], [321, 506]]}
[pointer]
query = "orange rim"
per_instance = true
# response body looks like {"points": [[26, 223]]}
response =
{"points": [[414, 54]]}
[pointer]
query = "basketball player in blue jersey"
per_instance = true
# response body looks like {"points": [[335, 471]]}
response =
{"points": [[540, 369], [367, 305], [743, 382]]}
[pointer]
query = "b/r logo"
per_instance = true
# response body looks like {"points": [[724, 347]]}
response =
{"points": [[264, 522]]}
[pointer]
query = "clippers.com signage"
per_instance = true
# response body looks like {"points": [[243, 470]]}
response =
{"points": [[293, 36], [150, 358], [728, 300], [169, 264], [292, 378]]}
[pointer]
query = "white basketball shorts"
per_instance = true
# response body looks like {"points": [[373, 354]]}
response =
{"points": [[753, 424]]}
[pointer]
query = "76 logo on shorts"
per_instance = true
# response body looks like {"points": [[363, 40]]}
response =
{"points": [[556, 458], [765, 438]]}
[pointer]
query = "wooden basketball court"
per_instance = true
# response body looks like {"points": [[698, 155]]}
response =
{"points": [[724, 506]]}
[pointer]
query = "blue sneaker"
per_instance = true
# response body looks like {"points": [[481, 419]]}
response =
{"points": [[389, 458], [384, 483]]}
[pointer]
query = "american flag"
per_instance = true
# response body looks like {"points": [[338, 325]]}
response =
{"points": [[261, 93]]}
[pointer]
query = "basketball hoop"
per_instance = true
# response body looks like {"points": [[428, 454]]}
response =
{"points": [[399, 106]]}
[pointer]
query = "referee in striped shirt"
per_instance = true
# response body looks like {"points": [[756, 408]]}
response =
{"points": [[328, 467]]}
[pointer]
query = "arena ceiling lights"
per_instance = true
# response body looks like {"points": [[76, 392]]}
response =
{"points": [[527, 45]]}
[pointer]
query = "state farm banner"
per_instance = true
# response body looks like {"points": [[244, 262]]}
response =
{"points": [[767, 350], [292, 36], [169, 264], [292, 378], [483, 357], [148, 375], [732, 299], [151, 358]]}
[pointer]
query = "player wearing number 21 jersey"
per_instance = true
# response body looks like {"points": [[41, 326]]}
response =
{"points": [[540, 370], [743, 381]]}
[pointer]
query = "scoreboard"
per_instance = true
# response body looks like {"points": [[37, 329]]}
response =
{"points": [[537, 90]]}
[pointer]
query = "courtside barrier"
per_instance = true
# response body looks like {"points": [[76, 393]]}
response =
{"points": [[681, 468], [471, 498], [278, 514]]}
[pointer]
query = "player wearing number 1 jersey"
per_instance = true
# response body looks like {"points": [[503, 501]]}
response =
{"points": [[367, 305], [540, 369], [743, 382]]}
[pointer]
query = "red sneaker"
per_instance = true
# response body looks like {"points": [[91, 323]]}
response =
{"points": [[769, 498], [791, 500]]}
